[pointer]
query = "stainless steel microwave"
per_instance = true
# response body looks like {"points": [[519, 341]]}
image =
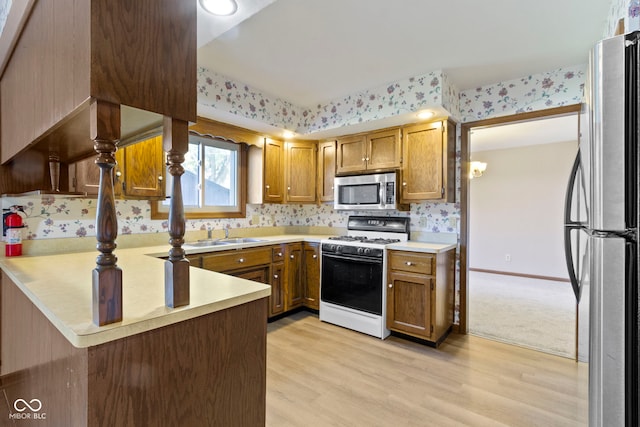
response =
{"points": [[376, 191]]}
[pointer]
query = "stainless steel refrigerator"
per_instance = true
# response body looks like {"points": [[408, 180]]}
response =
{"points": [[601, 231]]}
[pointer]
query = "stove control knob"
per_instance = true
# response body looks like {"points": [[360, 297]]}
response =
{"points": [[367, 251], [360, 251], [338, 248]]}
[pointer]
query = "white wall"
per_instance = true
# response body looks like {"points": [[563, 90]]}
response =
{"points": [[516, 209]]}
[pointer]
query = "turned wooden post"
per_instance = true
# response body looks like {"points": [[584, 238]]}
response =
{"points": [[176, 268], [107, 276]]}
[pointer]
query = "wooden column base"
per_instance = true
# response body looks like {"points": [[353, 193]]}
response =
{"points": [[107, 295], [176, 283]]}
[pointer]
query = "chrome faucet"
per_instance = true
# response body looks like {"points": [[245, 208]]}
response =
{"points": [[226, 233]]}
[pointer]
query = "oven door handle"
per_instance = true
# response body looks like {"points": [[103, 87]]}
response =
{"points": [[363, 260]]}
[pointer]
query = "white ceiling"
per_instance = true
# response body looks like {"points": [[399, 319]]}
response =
{"points": [[310, 51], [521, 134]]}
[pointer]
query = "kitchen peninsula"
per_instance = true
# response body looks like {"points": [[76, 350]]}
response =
{"points": [[159, 366]]}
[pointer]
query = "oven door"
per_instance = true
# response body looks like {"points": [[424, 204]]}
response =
{"points": [[352, 281]]}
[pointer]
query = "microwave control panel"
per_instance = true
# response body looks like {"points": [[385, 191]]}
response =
{"points": [[390, 193]]}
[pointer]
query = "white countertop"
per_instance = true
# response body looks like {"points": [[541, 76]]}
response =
{"points": [[60, 286], [414, 246]]}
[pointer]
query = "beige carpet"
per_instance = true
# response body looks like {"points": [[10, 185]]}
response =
{"points": [[537, 314]]}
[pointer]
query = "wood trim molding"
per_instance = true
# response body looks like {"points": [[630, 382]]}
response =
{"points": [[465, 128], [528, 276]]}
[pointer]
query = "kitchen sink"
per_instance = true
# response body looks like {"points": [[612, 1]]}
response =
{"points": [[241, 240], [204, 243]]}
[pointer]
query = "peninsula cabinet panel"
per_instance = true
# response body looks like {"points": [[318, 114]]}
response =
{"points": [[300, 174], [428, 168], [117, 51], [326, 170], [273, 171]]}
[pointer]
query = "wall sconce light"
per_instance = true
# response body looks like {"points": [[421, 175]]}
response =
{"points": [[220, 7], [476, 169]]}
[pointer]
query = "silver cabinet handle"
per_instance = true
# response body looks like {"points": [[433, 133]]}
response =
{"points": [[409, 263], [390, 285], [241, 260]]}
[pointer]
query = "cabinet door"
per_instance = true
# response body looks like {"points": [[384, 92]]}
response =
{"points": [[422, 168], [294, 291], [301, 172], [260, 274], [383, 150], [409, 303], [350, 154], [145, 169], [326, 170], [273, 171], [276, 300], [311, 275], [86, 178]]}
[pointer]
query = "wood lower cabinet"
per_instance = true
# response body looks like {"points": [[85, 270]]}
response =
{"points": [[294, 291], [276, 301], [428, 167], [420, 294], [311, 275]]}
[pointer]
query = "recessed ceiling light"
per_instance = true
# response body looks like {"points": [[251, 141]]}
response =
{"points": [[220, 7], [425, 114]]}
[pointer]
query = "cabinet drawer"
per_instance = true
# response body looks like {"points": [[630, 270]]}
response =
{"points": [[278, 253], [234, 260], [411, 261]]}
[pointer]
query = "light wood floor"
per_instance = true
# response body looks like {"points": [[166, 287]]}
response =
{"points": [[319, 374]]}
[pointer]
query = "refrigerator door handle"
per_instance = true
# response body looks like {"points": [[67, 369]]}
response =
{"points": [[571, 225]]}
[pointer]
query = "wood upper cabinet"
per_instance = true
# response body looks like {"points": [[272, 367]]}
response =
{"points": [[370, 152], [420, 294], [311, 276], [294, 291], [144, 169], [139, 172], [428, 168], [326, 170], [69, 52], [273, 178], [300, 176]]}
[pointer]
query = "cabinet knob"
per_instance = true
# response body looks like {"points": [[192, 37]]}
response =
{"points": [[267, 186], [241, 260], [367, 159], [279, 253], [160, 178], [404, 184], [118, 174], [390, 285], [364, 159], [291, 256], [332, 188], [275, 276], [409, 263], [315, 256], [288, 188]]}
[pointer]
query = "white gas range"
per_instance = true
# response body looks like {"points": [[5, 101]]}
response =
{"points": [[354, 267]]}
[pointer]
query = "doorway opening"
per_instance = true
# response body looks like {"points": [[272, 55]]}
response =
{"points": [[513, 279]]}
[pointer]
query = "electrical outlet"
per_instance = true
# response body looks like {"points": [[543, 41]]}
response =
{"points": [[422, 222], [507, 257], [453, 222], [255, 219]]}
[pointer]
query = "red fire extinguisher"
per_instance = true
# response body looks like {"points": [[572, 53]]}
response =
{"points": [[13, 234]]}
